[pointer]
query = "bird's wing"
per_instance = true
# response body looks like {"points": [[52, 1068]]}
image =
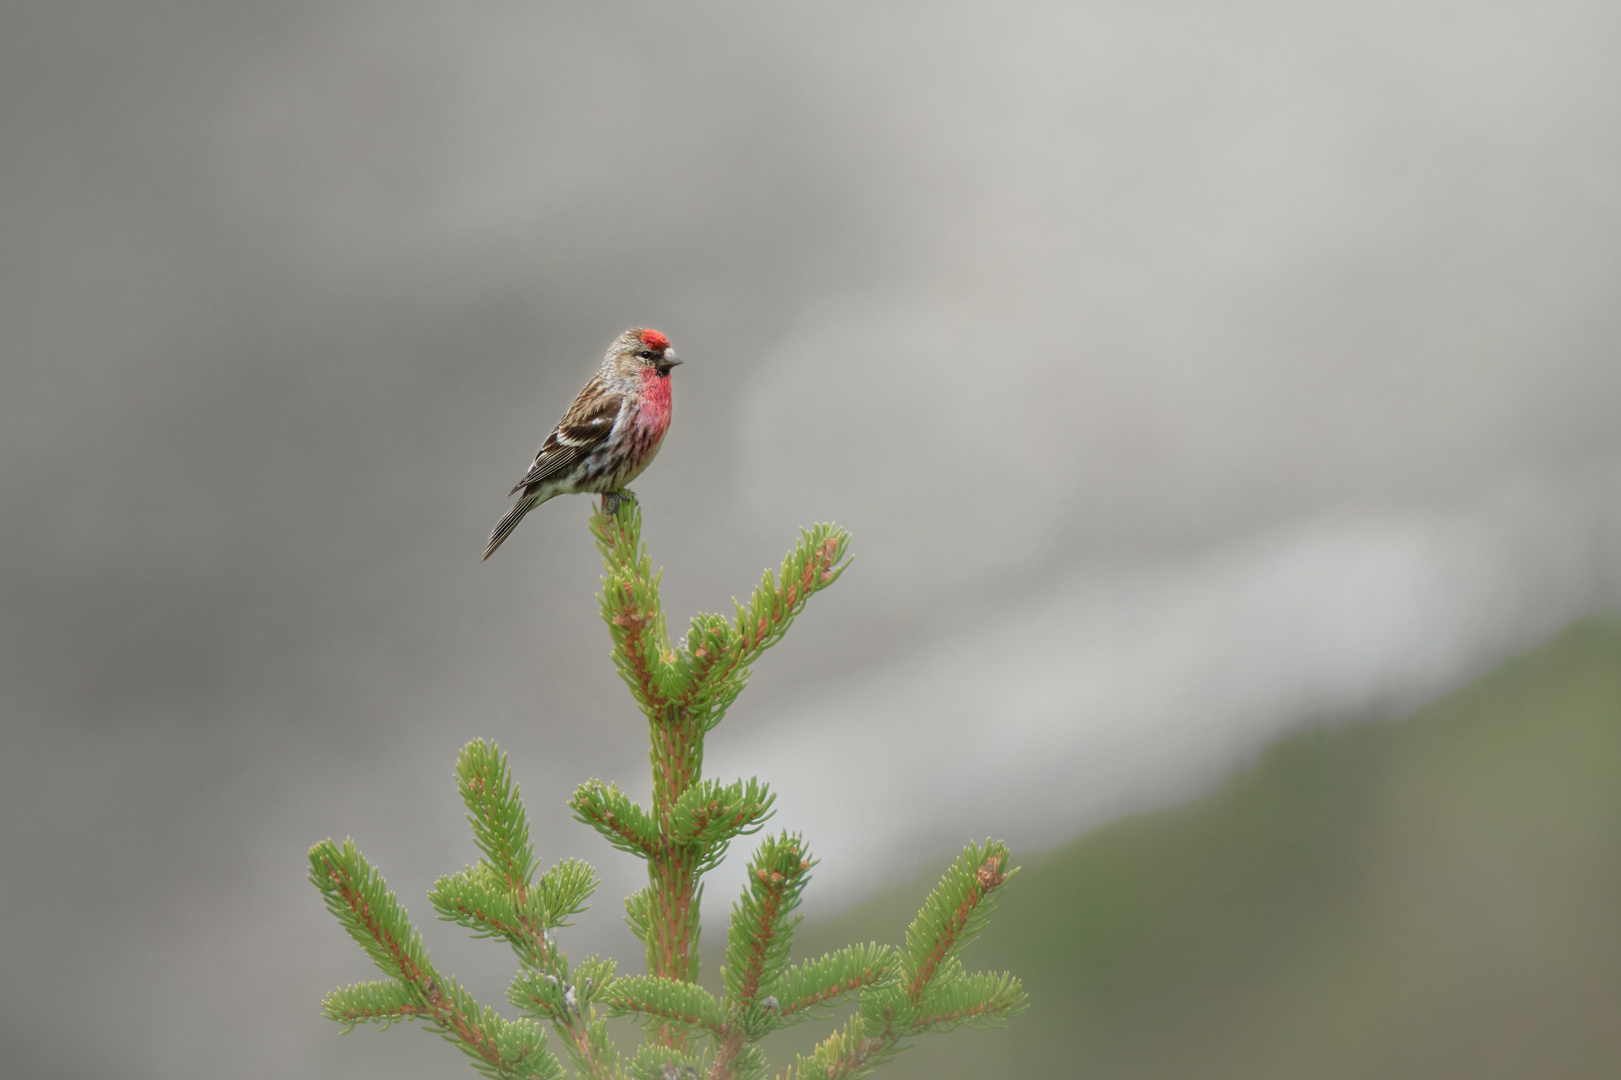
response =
{"points": [[587, 422]]}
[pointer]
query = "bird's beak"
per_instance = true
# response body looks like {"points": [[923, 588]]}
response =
{"points": [[668, 362]]}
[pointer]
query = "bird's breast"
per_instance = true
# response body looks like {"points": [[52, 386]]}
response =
{"points": [[654, 413]]}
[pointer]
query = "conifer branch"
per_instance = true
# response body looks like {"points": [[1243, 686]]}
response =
{"points": [[497, 898], [656, 1062], [933, 992], [631, 608], [821, 981], [847, 1052], [650, 998], [953, 914], [568, 1005], [613, 814], [357, 895], [673, 930], [639, 913], [363, 903], [564, 889], [556, 993], [500, 826], [719, 654], [981, 999], [709, 815], [593, 1051], [590, 1046], [544, 994], [386, 1002], [477, 899], [684, 834], [761, 931]]}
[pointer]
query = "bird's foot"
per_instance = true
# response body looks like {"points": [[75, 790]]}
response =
{"points": [[612, 499]]}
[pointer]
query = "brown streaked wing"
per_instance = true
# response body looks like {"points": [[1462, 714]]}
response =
{"points": [[591, 417], [587, 422]]}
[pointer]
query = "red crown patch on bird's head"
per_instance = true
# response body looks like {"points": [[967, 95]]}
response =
{"points": [[655, 340]]}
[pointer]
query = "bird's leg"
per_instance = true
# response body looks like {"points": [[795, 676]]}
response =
{"points": [[612, 499]]}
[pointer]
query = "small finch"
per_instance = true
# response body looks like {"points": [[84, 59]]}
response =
{"points": [[608, 436]]}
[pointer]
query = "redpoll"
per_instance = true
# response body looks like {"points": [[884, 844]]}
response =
{"points": [[608, 436]]}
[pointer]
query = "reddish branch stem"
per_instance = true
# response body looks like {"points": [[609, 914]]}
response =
{"points": [[677, 760], [986, 878], [820, 997], [672, 867], [444, 1012], [774, 883]]}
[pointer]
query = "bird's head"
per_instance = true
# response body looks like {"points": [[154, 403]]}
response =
{"points": [[638, 350]]}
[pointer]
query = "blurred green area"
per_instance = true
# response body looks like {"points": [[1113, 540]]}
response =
{"points": [[1434, 897]]}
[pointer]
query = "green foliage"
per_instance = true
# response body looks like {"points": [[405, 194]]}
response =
{"points": [[564, 889], [820, 982], [357, 895], [684, 693], [849, 1051], [612, 813], [655, 1062], [953, 915], [702, 679], [708, 815], [384, 1002], [478, 899], [651, 999], [500, 827], [761, 931]]}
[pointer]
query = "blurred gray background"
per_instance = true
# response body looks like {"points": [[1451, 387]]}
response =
{"points": [[1186, 373]]}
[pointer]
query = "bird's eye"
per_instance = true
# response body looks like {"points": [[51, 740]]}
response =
{"points": [[646, 354]]}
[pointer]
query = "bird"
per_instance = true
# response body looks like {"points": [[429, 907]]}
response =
{"points": [[608, 436]]}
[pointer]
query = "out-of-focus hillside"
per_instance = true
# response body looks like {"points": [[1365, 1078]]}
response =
{"points": [[1435, 897]]}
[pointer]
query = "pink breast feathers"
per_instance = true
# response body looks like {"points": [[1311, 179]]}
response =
{"points": [[655, 411]]}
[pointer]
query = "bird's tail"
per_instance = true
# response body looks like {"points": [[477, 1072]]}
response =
{"points": [[510, 522]]}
